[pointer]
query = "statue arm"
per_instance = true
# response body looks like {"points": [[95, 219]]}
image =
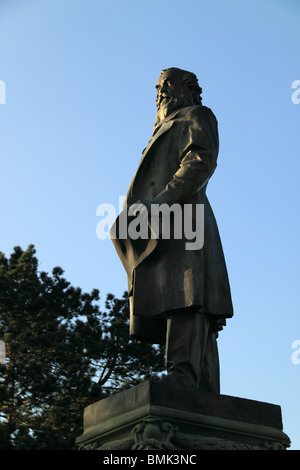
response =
{"points": [[198, 146]]}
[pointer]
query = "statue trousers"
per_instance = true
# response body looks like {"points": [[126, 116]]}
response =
{"points": [[191, 351]]}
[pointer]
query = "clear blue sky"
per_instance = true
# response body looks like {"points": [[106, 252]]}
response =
{"points": [[80, 106]]}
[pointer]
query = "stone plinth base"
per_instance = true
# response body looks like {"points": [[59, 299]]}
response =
{"points": [[156, 416]]}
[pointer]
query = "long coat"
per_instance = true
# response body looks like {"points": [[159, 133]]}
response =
{"points": [[163, 275]]}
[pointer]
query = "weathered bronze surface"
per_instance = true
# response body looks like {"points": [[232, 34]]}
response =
{"points": [[177, 295]]}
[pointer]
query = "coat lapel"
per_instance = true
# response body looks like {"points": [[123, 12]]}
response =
{"points": [[165, 127]]}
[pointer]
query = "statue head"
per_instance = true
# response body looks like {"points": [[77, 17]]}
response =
{"points": [[176, 89]]}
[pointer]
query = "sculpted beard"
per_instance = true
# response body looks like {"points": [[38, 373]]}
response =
{"points": [[168, 104]]}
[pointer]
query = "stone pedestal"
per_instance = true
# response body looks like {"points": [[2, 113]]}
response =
{"points": [[156, 416]]}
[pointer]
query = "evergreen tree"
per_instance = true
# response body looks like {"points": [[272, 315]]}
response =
{"points": [[62, 353]]}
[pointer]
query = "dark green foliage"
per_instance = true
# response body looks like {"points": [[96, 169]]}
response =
{"points": [[62, 353]]}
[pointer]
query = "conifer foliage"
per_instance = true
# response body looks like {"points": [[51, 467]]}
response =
{"points": [[62, 353]]}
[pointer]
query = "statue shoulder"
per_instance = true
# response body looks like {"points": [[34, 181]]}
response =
{"points": [[198, 113]]}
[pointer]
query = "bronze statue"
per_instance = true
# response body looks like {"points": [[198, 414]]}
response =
{"points": [[179, 294]]}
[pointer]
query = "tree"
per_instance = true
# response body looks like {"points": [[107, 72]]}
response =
{"points": [[62, 353]]}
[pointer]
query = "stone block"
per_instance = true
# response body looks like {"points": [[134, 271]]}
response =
{"points": [[157, 416]]}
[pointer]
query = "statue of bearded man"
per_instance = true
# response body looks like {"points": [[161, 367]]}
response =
{"points": [[179, 292]]}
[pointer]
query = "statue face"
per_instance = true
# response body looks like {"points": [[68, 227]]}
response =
{"points": [[171, 92]]}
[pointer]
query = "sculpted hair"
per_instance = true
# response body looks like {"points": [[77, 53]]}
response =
{"points": [[191, 81]]}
